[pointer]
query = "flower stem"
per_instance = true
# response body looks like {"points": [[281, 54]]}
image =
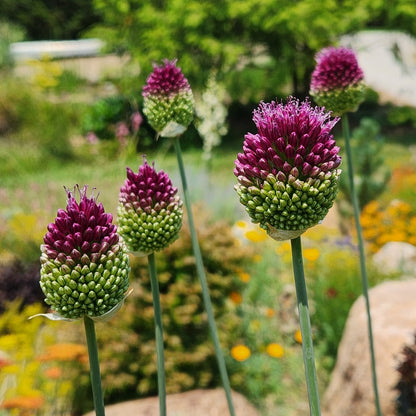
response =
{"points": [[305, 327], [203, 281], [161, 381], [364, 279], [97, 392]]}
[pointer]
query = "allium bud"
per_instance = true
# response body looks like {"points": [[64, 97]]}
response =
{"points": [[287, 174], [149, 210], [168, 100], [84, 266], [337, 80]]}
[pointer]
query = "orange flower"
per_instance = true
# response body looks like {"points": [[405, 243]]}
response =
{"points": [[65, 352], [240, 352], [270, 312], [236, 297], [23, 402], [275, 350], [298, 336], [53, 373]]}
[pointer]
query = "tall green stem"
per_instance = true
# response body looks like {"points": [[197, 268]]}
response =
{"points": [[97, 392], [364, 279], [161, 381], [305, 327], [203, 280]]}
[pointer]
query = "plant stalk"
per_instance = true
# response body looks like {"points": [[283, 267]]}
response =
{"points": [[97, 392], [161, 379], [305, 327], [203, 280], [364, 278]]}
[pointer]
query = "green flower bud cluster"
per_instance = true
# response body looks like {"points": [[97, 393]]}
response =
{"points": [[86, 288], [341, 101], [290, 204], [84, 265], [149, 211]]}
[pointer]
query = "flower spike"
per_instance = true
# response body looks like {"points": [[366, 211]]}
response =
{"points": [[287, 174], [84, 266], [149, 210], [168, 102], [337, 80]]}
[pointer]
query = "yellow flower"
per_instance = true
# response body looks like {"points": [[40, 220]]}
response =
{"points": [[275, 350], [256, 236], [240, 352], [298, 336], [244, 277], [236, 297], [241, 224], [311, 254]]}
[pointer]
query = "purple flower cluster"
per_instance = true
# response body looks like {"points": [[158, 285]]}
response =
{"points": [[165, 80], [168, 100], [337, 80], [287, 174], [149, 211], [84, 266], [336, 68]]}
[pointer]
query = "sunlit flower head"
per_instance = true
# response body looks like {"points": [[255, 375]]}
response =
{"points": [[275, 350], [298, 336], [337, 80], [84, 266], [168, 100], [149, 210], [287, 174], [240, 352]]}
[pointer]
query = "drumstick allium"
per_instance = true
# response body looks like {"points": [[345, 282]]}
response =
{"points": [[288, 171]]}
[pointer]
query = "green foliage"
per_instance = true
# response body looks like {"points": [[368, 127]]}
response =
{"points": [[399, 116], [371, 173], [127, 345], [9, 33], [230, 35], [49, 19], [104, 114], [40, 126]]}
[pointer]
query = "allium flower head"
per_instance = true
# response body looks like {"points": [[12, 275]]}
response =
{"points": [[337, 80], [287, 174], [168, 100], [149, 210], [84, 266]]}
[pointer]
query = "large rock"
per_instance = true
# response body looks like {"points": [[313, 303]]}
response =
{"points": [[393, 311], [396, 256], [195, 402]]}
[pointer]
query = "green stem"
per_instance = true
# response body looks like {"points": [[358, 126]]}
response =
{"points": [[364, 279], [161, 381], [97, 392], [305, 327], [203, 280]]}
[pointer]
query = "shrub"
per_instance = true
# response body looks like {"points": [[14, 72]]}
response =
{"points": [[406, 386], [371, 173], [19, 281]]}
